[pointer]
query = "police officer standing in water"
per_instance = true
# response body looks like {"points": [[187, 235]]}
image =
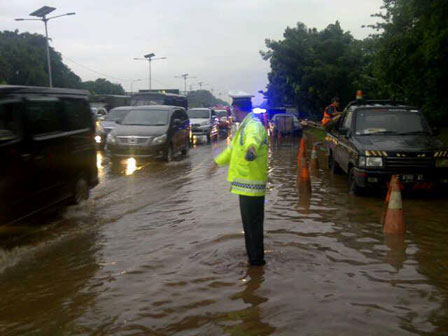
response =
{"points": [[246, 157]]}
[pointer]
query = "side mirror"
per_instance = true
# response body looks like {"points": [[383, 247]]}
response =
{"points": [[118, 122]]}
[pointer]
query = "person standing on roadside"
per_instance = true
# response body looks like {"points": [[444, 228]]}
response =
{"points": [[246, 157], [331, 111]]}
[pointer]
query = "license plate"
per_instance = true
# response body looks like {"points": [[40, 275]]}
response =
{"points": [[407, 178]]}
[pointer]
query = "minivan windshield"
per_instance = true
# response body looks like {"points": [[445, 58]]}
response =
{"points": [[199, 114], [146, 117], [390, 121], [116, 115]]}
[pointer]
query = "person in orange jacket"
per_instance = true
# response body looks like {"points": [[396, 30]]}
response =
{"points": [[331, 111]]}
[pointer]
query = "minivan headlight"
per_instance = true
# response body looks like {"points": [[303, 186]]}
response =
{"points": [[160, 139], [442, 163], [374, 162], [111, 139]]}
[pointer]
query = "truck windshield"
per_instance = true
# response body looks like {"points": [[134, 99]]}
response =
{"points": [[390, 121], [202, 114], [145, 117]]}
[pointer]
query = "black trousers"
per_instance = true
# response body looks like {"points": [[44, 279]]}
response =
{"points": [[252, 214]]}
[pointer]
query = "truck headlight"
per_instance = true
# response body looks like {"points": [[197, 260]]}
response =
{"points": [[374, 162], [111, 139], [160, 139], [99, 127], [442, 163]]}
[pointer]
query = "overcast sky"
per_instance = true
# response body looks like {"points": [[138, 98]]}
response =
{"points": [[216, 41]]}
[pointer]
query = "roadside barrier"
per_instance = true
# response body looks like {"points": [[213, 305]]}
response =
{"points": [[393, 219]]}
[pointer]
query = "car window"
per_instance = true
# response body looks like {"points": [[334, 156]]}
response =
{"points": [[44, 116], [116, 114], [76, 114], [9, 120], [146, 117]]}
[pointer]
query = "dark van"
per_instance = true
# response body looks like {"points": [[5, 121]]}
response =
{"points": [[47, 149]]}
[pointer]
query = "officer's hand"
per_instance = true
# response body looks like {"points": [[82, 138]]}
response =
{"points": [[251, 154], [213, 168]]}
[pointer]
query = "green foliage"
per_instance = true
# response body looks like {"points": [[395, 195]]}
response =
{"points": [[203, 98], [23, 61], [103, 86], [309, 67], [411, 61]]}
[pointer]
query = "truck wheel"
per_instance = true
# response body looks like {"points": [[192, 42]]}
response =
{"points": [[80, 190], [354, 188], [168, 156]]}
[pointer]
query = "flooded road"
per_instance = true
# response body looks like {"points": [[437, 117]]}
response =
{"points": [[159, 250]]}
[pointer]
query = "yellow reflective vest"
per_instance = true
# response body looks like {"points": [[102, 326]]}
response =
{"points": [[246, 177]]}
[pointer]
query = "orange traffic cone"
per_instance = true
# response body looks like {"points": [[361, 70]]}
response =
{"points": [[314, 166], [303, 176], [393, 220], [302, 151]]}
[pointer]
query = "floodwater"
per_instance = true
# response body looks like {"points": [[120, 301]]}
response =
{"points": [[158, 249]]}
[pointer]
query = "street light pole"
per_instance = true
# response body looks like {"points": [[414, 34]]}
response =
{"points": [[42, 13], [149, 58], [48, 52]]}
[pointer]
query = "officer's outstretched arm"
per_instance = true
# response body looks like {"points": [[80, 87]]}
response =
{"points": [[223, 158]]}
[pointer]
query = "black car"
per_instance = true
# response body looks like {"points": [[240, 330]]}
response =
{"points": [[374, 140], [147, 131], [47, 149]]}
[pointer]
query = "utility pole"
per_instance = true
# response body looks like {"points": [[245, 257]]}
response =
{"points": [[185, 77]]}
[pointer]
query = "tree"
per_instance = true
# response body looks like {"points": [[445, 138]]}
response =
{"points": [[203, 98], [23, 61], [411, 61], [309, 67], [103, 86]]}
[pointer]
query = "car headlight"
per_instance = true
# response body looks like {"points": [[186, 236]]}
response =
{"points": [[204, 123], [374, 162], [111, 139], [442, 163], [99, 127], [160, 139]]}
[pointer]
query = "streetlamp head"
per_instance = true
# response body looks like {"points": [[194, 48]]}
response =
{"points": [[43, 11], [149, 55], [71, 13], [19, 19]]}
